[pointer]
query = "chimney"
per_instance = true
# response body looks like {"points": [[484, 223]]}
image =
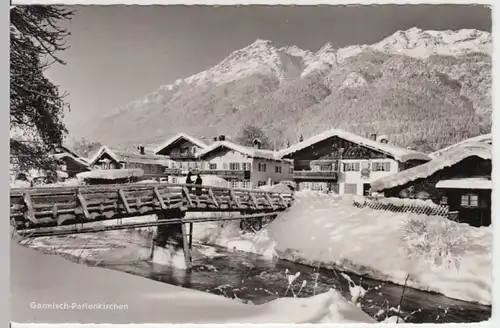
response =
{"points": [[257, 143], [373, 136], [141, 150], [222, 137], [383, 139]]}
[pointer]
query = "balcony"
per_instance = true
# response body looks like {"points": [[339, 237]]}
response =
{"points": [[172, 171], [226, 174], [182, 156], [315, 175]]}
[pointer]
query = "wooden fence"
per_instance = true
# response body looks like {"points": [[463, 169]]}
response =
{"points": [[399, 205]]}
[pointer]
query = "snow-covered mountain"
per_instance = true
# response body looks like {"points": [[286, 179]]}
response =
{"points": [[454, 66], [263, 57]]}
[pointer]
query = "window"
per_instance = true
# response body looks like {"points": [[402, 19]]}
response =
{"points": [[212, 166], [351, 167], [246, 166], [234, 166], [174, 179], [469, 200], [326, 167], [350, 188], [153, 168], [318, 186], [234, 184], [381, 166], [261, 183], [315, 168], [290, 170], [277, 169], [245, 184], [262, 167], [444, 200]]}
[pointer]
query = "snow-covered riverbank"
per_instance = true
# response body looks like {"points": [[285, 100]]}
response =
{"points": [[326, 230], [50, 289]]}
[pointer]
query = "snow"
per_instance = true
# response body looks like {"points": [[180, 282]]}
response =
{"points": [[466, 183], [250, 152], [180, 136], [59, 282], [374, 243], [326, 230], [111, 174]]}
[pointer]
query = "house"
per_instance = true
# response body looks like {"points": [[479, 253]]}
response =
{"points": [[484, 138], [182, 149], [243, 167], [459, 178], [153, 166], [70, 163], [346, 163]]}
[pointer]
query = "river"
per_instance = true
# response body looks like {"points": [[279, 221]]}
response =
{"points": [[250, 277]]}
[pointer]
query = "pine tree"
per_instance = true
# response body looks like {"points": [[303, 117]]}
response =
{"points": [[36, 104]]}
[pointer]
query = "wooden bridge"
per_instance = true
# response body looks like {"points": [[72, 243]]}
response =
{"points": [[53, 211]]}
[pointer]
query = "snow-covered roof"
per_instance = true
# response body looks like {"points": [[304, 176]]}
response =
{"points": [[111, 174], [180, 136], [249, 151], [447, 159], [484, 138], [128, 157], [77, 159], [63, 149], [466, 183], [398, 153]]}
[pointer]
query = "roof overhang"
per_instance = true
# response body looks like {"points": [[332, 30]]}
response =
{"points": [[178, 137], [465, 183]]}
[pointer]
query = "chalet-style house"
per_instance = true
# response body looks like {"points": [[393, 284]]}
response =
{"points": [[69, 163], [243, 167], [459, 178], [153, 166], [346, 163], [183, 150]]}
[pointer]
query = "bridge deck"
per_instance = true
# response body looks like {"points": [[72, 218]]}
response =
{"points": [[58, 206]]}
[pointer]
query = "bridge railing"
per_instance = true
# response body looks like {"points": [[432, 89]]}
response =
{"points": [[56, 206]]}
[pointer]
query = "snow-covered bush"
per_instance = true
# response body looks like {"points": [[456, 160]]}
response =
{"points": [[441, 243]]}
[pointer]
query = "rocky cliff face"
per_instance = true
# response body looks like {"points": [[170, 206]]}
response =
{"points": [[425, 89]]}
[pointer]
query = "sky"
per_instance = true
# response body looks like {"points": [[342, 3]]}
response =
{"points": [[118, 54]]}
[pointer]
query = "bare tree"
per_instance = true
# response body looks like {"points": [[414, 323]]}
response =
{"points": [[36, 104], [249, 133]]}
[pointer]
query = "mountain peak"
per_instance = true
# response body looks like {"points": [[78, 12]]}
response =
{"points": [[264, 57], [259, 41]]}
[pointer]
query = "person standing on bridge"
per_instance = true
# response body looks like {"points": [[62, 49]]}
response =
{"points": [[188, 179], [199, 182]]}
